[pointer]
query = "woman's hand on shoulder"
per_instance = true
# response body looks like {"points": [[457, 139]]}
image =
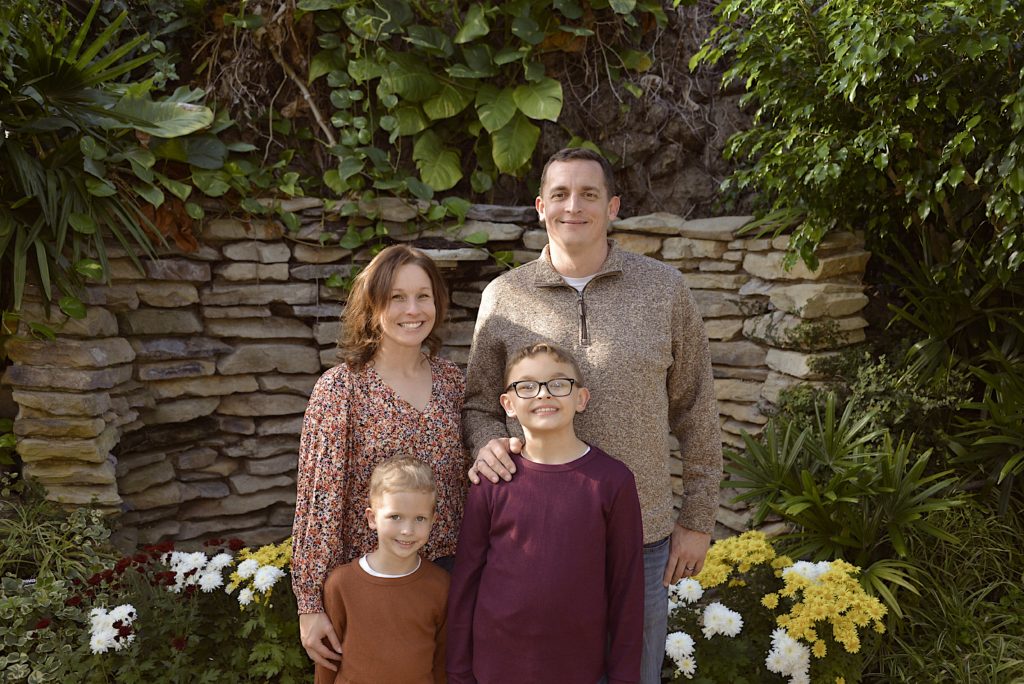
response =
{"points": [[313, 629], [493, 460]]}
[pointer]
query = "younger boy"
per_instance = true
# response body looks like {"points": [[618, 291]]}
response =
{"points": [[388, 607], [548, 578]]}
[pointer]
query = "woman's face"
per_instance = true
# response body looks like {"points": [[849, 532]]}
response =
{"points": [[411, 311]]}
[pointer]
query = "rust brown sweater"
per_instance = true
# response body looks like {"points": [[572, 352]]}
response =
{"points": [[640, 342]]}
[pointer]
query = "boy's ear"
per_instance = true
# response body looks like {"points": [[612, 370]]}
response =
{"points": [[506, 403], [371, 520], [582, 399]]}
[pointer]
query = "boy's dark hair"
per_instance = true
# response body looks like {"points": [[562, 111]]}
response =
{"points": [[538, 349], [580, 154]]}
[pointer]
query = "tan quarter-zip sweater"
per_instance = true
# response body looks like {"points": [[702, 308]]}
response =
{"points": [[638, 337]]}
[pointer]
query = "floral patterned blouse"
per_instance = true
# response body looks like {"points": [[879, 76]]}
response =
{"points": [[354, 421]]}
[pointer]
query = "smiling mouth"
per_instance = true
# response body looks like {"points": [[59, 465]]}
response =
{"points": [[411, 326], [545, 409]]}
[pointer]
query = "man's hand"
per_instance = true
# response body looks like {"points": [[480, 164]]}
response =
{"points": [[493, 460], [313, 629], [686, 555]]}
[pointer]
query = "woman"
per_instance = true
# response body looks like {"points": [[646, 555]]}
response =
{"points": [[386, 398]]}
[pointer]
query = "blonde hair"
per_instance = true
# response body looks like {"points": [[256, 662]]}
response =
{"points": [[534, 350], [371, 292], [402, 474]]}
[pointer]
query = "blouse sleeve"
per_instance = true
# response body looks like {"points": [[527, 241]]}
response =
{"points": [[320, 500]]}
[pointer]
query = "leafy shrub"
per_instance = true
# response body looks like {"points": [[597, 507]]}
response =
{"points": [[751, 615]]}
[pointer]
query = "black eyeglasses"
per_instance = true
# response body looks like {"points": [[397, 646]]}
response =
{"points": [[528, 389]]}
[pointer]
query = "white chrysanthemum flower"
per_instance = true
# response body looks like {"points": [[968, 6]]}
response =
{"points": [[266, 577], [721, 620], [248, 568], [672, 606], [125, 613], [687, 590], [245, 597], [102, 641], [219, 562], [789, 658], [209, 581], [679, 644], [97, 612], [687, 666], [812, 572]]}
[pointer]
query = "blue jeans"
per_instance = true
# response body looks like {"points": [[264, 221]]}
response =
{"points": [[655, 611]]}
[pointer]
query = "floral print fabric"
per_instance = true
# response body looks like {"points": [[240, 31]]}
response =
{"points": [[354, 421]]}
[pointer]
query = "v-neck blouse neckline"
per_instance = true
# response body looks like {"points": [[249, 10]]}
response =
{"points": [[394, 393]]}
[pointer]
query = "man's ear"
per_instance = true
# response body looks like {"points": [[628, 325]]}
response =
{"points": [[613, 207], [538, 204], [371, 520], [582, 399], [506, 403]]}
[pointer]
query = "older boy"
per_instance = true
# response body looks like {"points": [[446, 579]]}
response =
{"points": [[548, 579], [388, 607]]}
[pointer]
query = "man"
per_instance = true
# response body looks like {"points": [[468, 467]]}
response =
{"points": [[634, 327]]}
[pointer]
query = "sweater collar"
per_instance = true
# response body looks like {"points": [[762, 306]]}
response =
{"points": [[547, 276]]}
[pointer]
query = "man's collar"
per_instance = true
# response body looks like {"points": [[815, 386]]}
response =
{"points": [[547, 276]]}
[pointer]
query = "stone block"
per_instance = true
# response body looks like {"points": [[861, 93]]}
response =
{"points": [[495, 232], [294, 384], [273, 466], [329, 357], [262, 446], [470, 300], [780, 329], [322, 310], [718, 266], [157, 531], [83, 495], [524, 256], [290, 425], [209, 386], [238, 504], [737, 354], [94, 450], [308, 254], [715, 281], [71, 472], [502, 213], [740, 373], [180, 411], [64, 403], [160, 322], [689, 248], [170, 370], [194, 459], [769, 266], [457, 355], [167, 294], [723, 328], [293, 204], [120, 297], [67, 353], [820, 299], [222, 467], [204, 489], [259, 404], [63, 427], [747, 413], [638, 244], [459, 334], [266, 358], [722, 228], [234, 229], [756, 286], [660, 223], [254, 250], [178, 270], [737, 390], [98, 322], [832, 242], [390, 209], [244, 483], [219, 312], [245, 270], [227, 294], [148, 476], [163, 349], [281, 516], [259, 328], [211, 528], [127, 462], [794, 363], [236, 425], [777, 382], [535, 239], [443, 257], [167, 494]]}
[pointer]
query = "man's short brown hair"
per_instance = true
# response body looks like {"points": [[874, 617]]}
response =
{"points": [[567, 154]]}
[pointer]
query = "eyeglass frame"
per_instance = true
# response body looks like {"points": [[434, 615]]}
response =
{"points": [[514, 386]]}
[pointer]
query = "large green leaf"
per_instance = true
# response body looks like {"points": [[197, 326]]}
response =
{"points": [[439, 166], [204, 151], [512, 146], [474, 27], [451, 100], [410, 78], [541, 100], [164, 119], [495, 107], [411, 120]]}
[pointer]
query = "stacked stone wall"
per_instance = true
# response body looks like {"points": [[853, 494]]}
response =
{"points": [[177, 401]]}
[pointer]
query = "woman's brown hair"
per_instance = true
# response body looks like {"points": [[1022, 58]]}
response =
{"points": [[369, 298]]}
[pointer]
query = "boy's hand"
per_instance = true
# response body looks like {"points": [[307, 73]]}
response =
{"points": [[493, 460], [313, 629], [686, 554]]}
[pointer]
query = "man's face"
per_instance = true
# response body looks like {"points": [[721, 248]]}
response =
{"points": [[574, 205]]}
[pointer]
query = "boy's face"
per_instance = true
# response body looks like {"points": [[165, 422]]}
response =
{"points": [[544, 412], [402, 521]]}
